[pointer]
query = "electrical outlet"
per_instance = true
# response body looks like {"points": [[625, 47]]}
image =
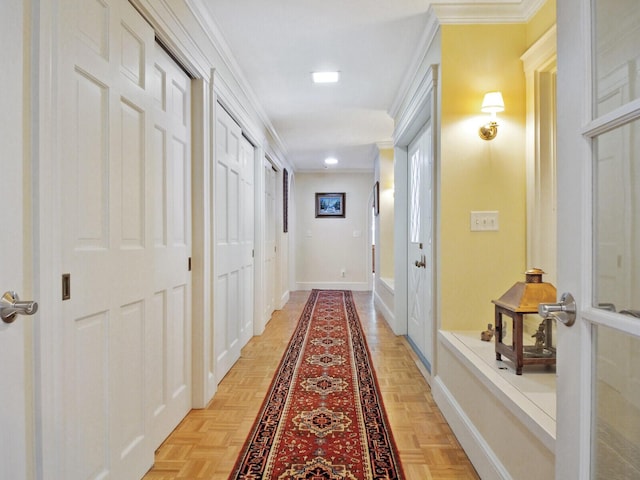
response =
{"points": [[484, 221]]}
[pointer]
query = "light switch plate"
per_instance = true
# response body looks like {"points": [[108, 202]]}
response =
{"points": [[486, 221]]}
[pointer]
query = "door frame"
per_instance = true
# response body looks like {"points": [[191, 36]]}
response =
{"points": [[48, 338], [424, 105], [540, 69], [17, 418]]}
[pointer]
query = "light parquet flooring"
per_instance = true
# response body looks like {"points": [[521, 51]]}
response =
{"points": [[206, 443]]}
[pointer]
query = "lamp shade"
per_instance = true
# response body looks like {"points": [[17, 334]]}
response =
{"points": [[492, 103]]}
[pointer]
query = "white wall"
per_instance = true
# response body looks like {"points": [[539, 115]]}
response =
{"points": [[325, 246]]}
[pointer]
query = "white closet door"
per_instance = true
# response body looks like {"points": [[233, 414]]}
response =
{"points": [[168, 337], [247, 156], [270, 240], [125, 209], [233, 262]]}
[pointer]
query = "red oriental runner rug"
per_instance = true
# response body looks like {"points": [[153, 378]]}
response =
{"points": [[323, 417]]}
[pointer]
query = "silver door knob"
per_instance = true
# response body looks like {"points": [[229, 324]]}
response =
{"points": [[564, 311], [11, 306]]}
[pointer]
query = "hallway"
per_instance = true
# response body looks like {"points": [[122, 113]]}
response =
{"points": [[206, 442]]}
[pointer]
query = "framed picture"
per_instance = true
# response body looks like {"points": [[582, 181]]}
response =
{"points": [[376, 198], [330, 205]]}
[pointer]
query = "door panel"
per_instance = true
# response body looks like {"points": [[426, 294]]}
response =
{"points": [[598, 262], [247, 218], [233, 257], [270, 240], [420, 248], [126, 242], [14, 390], [172, 280]]}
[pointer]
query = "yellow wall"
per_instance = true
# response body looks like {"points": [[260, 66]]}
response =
{"points": [[542, 21], [386, 223], [477, 267]]}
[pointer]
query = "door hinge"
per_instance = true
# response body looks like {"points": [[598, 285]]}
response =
{"points": [[189, 264], [253, 253], [66, 286]]}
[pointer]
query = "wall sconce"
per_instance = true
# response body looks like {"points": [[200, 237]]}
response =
{"points": [[492, 103]]}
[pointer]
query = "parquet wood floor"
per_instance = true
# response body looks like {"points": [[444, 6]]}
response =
{"points": [[206, 443]]}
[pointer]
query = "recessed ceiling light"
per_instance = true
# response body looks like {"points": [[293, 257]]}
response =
{"points": [[330, 161], [325, 77]]}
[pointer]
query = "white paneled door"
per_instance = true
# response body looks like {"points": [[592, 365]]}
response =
{"points": [[247, 154], [168, 337], [126, 241], [270, 254], [13, 379], [233, 233], [420, 246]]}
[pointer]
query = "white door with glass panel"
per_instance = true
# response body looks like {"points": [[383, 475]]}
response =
{"points": [[598, 417], [420, 247]]}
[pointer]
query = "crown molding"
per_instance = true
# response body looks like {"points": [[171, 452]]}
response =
{"points": [[335, 171], [385, 144], [415, 70], [211, 29], [496, 11]]}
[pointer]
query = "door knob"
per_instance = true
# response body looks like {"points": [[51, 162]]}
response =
{"points": [[11, 306], [564, 311]]}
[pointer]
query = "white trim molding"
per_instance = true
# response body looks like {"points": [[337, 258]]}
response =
{"points": [[479, 452], [416, 71], [420, 105], [383, 308], [467, 389], [496, 11], [215, 36], [355, 286], [539, 64]]}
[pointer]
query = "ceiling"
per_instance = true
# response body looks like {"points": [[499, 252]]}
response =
{"points": [[276, 44]]}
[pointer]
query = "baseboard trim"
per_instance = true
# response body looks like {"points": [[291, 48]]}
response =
{"points": [[479, 452], [355, 286], [384, 309], [284, 299]]}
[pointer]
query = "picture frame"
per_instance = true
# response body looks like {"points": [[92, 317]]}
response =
{"points": [[376, 199], [331, 205]]}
